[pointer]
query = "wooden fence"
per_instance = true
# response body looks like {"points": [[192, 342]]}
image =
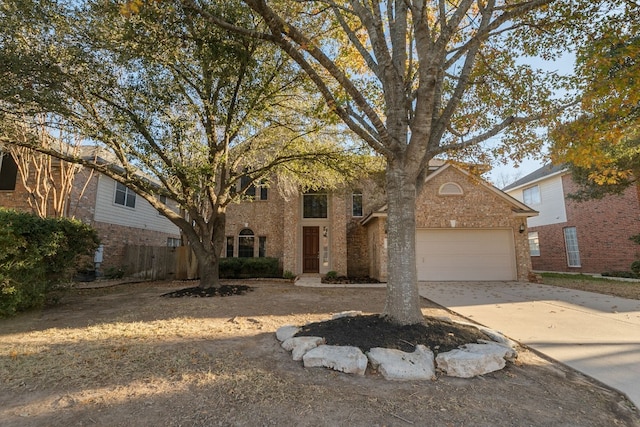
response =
{"points": [[160, 262]]}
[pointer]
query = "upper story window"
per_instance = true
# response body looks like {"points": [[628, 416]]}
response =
{"points": [[125, 196], [531, 195], [534, 244], [256, 192], [356, 209], [8, 172], [314, 205], [450, 189]]}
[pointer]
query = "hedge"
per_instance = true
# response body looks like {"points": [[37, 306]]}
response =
{"points": [[37, 254], [243, 268]]}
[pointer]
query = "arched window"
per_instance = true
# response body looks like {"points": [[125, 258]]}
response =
{"points": [[450, 189], [245, 243]]}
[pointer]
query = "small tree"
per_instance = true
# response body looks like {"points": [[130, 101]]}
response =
{"points": [[47, 180]]}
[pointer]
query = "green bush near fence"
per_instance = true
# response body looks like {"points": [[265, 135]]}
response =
{"points": [[36, 254], [243, 268]]}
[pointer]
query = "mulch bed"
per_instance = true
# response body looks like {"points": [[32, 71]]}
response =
{"points": [[198, 292], [344, 280], [367, 332]]}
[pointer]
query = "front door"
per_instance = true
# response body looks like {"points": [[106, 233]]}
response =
{"points": [[310, 249]]}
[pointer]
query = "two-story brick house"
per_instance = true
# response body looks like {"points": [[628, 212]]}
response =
{"points": [[466, 230], [569, 236], [119, 215]]}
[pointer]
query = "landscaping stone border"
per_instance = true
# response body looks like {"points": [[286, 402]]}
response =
{"points": [[467, 361]]}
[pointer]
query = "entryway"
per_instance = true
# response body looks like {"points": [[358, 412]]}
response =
{"points": [[310, 249]]}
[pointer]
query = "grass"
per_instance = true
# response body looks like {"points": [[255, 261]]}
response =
{"points": [[584, 282], [571, 276]]}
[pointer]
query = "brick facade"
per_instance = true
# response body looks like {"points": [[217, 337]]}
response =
{"points": [[478, 208], [603, 228]]}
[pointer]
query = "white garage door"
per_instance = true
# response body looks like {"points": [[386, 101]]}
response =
{"points": [[461, 254]]}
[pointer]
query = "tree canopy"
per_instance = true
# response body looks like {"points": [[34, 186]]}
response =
{"points": [[601, 141], [415, 79], [178, 107]]}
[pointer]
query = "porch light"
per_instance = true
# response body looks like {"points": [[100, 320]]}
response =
{"points": [[522, 228]]}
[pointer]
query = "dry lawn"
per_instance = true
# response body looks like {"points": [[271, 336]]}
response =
{"points": [[123, 356]]}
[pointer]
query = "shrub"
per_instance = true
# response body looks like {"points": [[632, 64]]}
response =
{"points": [[37, 254], [331, 275], [635, 266], [242, 268], [114, 273], [288, 275]]}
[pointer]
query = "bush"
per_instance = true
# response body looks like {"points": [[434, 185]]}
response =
{"points": [[243, 268], [635, 266], [331, 275], [37, 254], [288, 275]]}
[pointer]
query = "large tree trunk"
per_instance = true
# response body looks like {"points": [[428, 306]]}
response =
{"points": [[209, 249], [403, 301]]}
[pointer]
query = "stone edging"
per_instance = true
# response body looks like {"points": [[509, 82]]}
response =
{"points": [[467, 361]]}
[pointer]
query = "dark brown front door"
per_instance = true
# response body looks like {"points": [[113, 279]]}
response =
{"points": [[310, 249]]}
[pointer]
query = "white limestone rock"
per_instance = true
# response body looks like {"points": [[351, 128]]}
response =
{"points": [[399, 365], [299, 346], [351, 313], [285, 332], [350, 360], [493, 334], [508, 352], [476, 359]]}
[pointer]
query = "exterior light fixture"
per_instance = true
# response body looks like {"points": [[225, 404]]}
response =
{"points": [[522, 228]]}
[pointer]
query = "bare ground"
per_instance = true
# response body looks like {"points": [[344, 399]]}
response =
{"points": [[123, 356]]}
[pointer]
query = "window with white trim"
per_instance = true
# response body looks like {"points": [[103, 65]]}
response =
{"points": [[245, 243], [571, 245], [450, 189], [534, 243], [314, 205], [531, 195], [125, 196]]}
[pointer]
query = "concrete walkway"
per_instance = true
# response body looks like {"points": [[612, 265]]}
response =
{"points": [[598, 335]]}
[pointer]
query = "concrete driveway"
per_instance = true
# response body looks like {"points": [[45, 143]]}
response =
{"points": [[598, 335]]}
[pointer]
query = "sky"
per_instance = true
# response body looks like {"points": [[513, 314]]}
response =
{"points": [[564, 65]]}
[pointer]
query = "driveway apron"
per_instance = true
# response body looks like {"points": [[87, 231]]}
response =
{"points": [[598, 335]]}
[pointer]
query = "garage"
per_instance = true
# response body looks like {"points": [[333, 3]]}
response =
{"points": [[464, 254]]}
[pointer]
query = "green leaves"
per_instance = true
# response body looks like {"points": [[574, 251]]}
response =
{"points": [[602, 144]]}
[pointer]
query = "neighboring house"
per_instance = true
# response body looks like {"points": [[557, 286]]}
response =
{"points": [[120, 216], [590, 236], [466, 230]]}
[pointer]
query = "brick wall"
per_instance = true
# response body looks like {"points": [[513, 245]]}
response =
{"points": [[115, 238], [264, 217], [358, 257], [603, 228], [479, 207]]}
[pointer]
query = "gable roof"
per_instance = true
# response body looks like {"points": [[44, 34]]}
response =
{"points": [[543, 172], [518, 208]]}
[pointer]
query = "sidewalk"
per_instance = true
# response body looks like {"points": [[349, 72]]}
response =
{"points": [[598, 335]]}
